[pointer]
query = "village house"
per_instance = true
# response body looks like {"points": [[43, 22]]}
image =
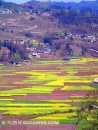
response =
{"points": [[26, 62], [85, 40], [4, 52], [2, 11], [20, 41], [5, 11], [46, 14]]}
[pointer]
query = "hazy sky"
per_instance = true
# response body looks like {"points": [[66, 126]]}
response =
{"points": [[23, 1]]}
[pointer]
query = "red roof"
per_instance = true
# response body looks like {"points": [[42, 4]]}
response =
{"points": [[4, 49]]}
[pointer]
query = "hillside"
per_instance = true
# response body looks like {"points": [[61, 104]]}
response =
{"points": [[80, 5], [49, 31], [48, 5], [57, 5], [9, 5], [49, 65]]}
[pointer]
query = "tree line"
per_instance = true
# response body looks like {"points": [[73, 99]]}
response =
{"points": [[17, 51], [72, 16]]}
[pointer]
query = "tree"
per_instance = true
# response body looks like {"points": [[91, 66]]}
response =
{"points": [[28, 34], [88, 112], [48, 38], [31, 18], [76, 17], [69, 50], [84, 51], [15, 58], [1, 2]]}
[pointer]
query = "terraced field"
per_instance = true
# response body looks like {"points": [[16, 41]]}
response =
{"points": [[46, 90]]}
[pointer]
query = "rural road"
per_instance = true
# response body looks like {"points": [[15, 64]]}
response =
{"points": [[29, 28]]}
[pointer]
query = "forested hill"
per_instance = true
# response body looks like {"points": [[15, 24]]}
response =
{"points": [[48, 5], [9, 5], [72, 16], [80, 5], [57, 5]]}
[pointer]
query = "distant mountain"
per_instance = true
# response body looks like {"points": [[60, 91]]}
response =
{"points": [[48, 5], [35, 3], [81, 5], [9, 5]]}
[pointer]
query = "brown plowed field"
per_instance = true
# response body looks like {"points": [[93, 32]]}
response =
{"points": [[39, 127]]}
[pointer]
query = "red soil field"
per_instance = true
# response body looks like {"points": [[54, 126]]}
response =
{"points": [[86, 73], [39, 127], [62, 74], [56, 95]]}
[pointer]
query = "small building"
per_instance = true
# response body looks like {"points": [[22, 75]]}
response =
{"points": [[4, 50], [34, 54], [2, 11], [49, 50], [5, 11], [4, 53], [46, 14], [26, 62]]}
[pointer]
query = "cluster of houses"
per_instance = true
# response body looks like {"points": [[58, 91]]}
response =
{"points": [[18, 41], [89, 39], [5, 11], [76, 37], [36, 52], [86, 39], [5, 29]]}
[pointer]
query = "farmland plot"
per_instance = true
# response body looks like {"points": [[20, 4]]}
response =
{"points": [[46, 90]]}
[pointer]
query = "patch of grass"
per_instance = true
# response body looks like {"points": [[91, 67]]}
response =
{"points": [[68, 121], [77, 88], [95, 86], [58, 116]]}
